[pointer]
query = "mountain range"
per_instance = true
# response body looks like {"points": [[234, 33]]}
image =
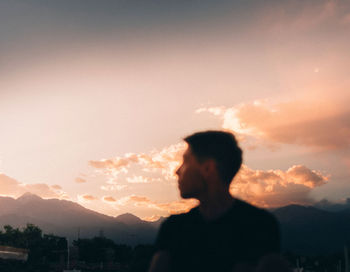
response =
{"points": [[304, 229], [69, 219]]}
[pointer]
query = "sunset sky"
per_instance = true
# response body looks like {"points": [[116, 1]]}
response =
{"points": [[96, 96]]}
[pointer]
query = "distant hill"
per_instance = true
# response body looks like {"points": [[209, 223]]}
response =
{"points": [[333, 207], [309, 230], [305, 230], [70, 219]]}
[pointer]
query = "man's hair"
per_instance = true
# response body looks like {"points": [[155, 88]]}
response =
{"points": [[220, 146]]}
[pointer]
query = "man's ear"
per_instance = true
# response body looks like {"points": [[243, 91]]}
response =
{"points": [[209, 168]]}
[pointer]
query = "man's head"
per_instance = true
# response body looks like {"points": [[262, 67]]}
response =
{"points": [[215, 149]]}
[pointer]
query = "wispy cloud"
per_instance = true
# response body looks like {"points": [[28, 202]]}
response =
{"points": [[56, 187], [346, 19], [316, 123], [86, 198], [138, 179], [301, 16], [165, 160], [80, 180], [108, 199], [113, 187], [151, 218], [155, 166], [115, 165], [11, 187]]}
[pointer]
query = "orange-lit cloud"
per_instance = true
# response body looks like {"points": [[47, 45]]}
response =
{"points": [[275, 188], [155, 165], [165, 160], [113, 187], [264, 188], [173, 207], [109, 199], [139, 199], [57, 187], [86, 198], [41, 189], [89, 197], [138, 179], [10, 186], [316, 123], [80, 180], [13, 188], [151, 218], [116, 165]]}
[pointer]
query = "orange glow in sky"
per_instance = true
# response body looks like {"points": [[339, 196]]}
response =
{"points": [[94, 105]]}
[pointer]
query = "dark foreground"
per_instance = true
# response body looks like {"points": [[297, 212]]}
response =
{"points": [[51, 253]]}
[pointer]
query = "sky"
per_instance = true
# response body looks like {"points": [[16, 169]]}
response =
{"points": [[96, 97]]}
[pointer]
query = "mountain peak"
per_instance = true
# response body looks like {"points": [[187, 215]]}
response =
{"points": [[128, 218], [29, 197]]}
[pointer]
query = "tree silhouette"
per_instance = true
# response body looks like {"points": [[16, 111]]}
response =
{"points": [[41, 247]]}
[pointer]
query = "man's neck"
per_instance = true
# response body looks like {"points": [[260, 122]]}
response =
{"points": [[212, 207]]}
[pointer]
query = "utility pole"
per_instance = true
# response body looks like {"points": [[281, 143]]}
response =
{"points": [[339, 266], [67, 254]]}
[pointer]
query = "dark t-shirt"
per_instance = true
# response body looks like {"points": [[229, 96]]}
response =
{"points": [[241, 236]]}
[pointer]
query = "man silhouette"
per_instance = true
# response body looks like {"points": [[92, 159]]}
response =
{"points": [[222, 233]]}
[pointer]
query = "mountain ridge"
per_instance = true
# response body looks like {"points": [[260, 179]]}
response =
{"points": [[304, 229], [65, 218]]}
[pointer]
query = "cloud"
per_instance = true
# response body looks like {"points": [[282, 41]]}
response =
{"points": [[13, 188], [264, 188], [346, 161], [156, 165], [313, 122], [10, 186], [80, 180], [42, 190], [173, 207], [314, 15], [346, 19], [109, 199], [89, 197], [86, 198], [299, 16], [151, 218], [115, 165], [165, 160], [138, 179], [113, 187], [139, 199], [274, 188], [176, 207]]}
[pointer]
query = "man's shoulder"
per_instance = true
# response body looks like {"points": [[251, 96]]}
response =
{"points": [[181, 217], [170, 230], [250, 211]]}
